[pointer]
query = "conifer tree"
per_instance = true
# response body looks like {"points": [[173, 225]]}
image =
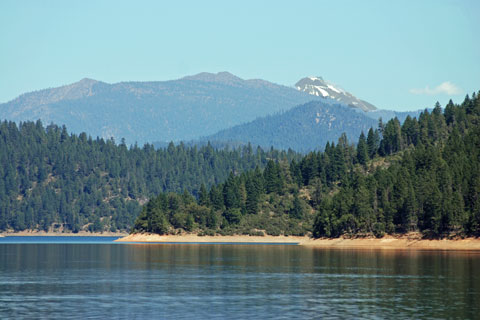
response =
{"points": [[253, 194], [203, 199], [362, 150], [372, 142], [297, 210]]}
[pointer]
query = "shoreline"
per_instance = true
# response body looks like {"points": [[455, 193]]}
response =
{"points": [[62, 234], [387, 242], [194, 238]]}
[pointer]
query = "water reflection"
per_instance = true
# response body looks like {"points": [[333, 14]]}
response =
{"points": [[235, 281]]}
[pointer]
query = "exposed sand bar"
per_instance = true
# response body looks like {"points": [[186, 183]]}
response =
{"points": [[338, 243]]}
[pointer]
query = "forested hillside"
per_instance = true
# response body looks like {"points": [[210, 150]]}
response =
{"points": [[50, 178], [304, 128], [421, 176]]}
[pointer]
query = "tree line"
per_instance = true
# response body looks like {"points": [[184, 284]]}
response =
{"points": [[422, 176], [52, 179]]}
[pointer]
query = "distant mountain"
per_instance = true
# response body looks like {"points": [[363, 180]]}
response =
{"points": [[390, 114], [316, 86], [304, 128], [175, 110]]}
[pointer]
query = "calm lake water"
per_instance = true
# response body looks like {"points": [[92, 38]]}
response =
{"points": [[65, 278]]}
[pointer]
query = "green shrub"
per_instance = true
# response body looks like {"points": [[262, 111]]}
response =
{"points": [[206, 232], [379, 230], [256, 233]]}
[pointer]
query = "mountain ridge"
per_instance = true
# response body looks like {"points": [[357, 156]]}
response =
{"points": [[141, 112], [316, 86], [186, 109], [303, 128]]}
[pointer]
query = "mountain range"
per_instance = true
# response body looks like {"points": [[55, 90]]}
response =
{"points": [[303, 128], [217, 106], [155, 111]]}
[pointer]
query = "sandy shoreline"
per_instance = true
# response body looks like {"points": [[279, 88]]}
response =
{"points": [[193, 238], [387, 242], [61, 234]]}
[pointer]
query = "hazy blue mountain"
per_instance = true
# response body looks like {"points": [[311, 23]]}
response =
{"points": [[390, 114], [316, 86], [303, 128], [175, 110]]}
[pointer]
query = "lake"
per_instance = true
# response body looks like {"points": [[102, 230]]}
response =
{"points": [[92, 277]]}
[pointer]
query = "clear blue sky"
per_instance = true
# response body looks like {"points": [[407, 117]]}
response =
{"points": [[399, 55]]}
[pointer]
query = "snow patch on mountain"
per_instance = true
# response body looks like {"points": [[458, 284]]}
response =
{"points": [[318, 87]]}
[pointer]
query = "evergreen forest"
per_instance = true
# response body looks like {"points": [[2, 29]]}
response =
{"points": [[422, 175], [55, 181]]}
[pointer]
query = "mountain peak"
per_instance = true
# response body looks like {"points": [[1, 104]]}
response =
{"points": [[318, 87], [221, 77], [86, 81], [315, 78], [78, 90]]}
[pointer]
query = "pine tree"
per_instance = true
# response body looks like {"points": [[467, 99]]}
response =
{"points": [[252, 196], [216, 198], [318, 191], [231, 193], [203, 199], [296, 211], [362, 150], [372, 143], [273, 178]]}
